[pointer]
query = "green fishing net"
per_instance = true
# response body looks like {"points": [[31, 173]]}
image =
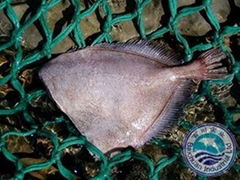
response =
{"points": [[37, 141]]}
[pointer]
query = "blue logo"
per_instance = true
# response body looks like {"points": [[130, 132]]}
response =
{"points": [[209, 149]]}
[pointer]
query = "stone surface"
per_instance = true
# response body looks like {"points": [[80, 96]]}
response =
{"points": [[196, 25], [152, 15], [120, 6], [59, 16], [185, 2], [126, 30], [222, 9], [237, 2], [193, 25], [5, 25]]}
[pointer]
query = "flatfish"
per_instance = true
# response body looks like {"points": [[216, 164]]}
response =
{"points": [[123, 94]]}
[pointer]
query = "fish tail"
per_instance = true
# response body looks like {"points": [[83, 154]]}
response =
{"points": [[209, 65]]}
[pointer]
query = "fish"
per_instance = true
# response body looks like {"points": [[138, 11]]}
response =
{"points": [[121, 95]]}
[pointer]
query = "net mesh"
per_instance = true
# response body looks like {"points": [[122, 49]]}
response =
{"points": [[24, 124]]}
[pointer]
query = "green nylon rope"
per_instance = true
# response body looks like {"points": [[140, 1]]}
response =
{"points": [[73, 29]]}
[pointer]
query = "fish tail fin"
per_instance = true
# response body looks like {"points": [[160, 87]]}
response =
{"points": [[209, 65]]}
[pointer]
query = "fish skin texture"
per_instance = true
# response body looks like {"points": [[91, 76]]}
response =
{"points": [[123, 94]]}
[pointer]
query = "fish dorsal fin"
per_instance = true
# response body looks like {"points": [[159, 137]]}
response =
{"points": [[147, 48]]}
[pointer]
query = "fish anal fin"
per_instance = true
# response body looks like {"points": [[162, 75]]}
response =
{"points": [[172, 112]]}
